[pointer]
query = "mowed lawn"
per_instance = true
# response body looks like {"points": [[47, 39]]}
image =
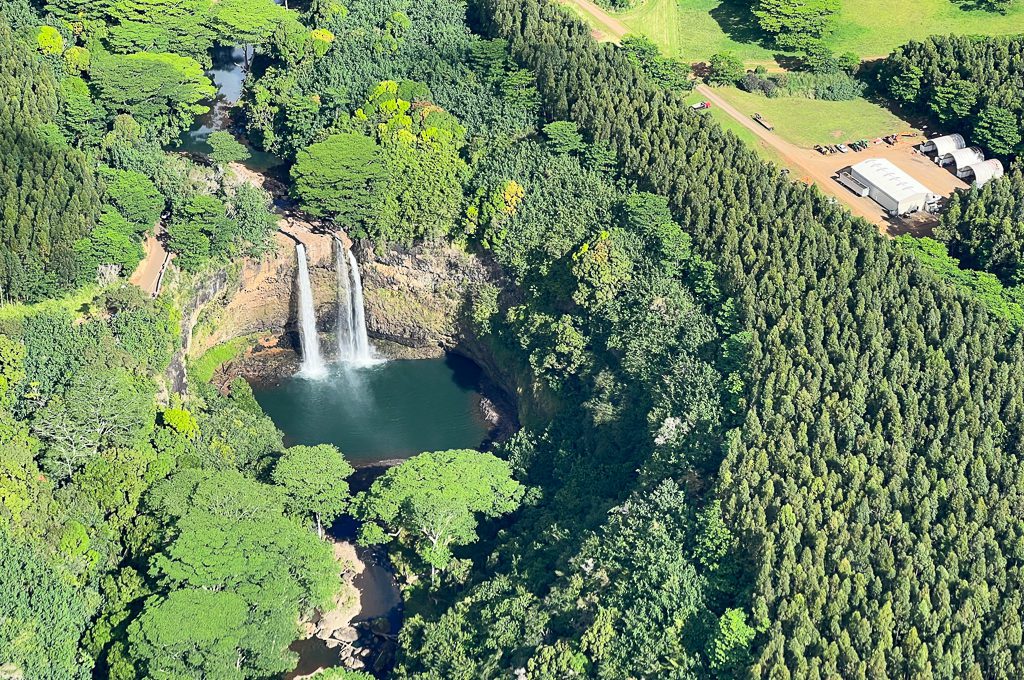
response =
{"points": [[693, 30], [873, 28], [806, 122]]}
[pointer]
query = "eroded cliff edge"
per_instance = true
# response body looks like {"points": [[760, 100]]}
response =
{"points": [[415, 300]]}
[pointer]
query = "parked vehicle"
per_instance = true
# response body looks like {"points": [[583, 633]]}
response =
{"points": [[763, 123], [843, 148], [700, 106]]}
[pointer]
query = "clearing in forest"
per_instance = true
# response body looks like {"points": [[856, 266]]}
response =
{"points": [[693, 30], [807, 122]]}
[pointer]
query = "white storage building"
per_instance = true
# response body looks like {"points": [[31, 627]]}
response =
{"points": [[944, 145], [890, 187], [961, 158], [984, 171]]}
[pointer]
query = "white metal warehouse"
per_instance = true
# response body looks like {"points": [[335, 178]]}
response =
{"points": [[944, 145], [890, 187], [984, 171]]}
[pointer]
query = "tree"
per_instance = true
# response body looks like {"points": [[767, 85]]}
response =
{"points": [[564, 136], [178, 26], [999, 130], [247, 21], [665, 72], [725, 68], [190, 633], [201, 229], [313, 477], [432, 501], [135, 197], [45, 615], [101, 409], [162, 91], [954, 100], [249, 207], [339, 177], [796, 24], [228, 534], [226, 149], [189, 244], [730, 647]]}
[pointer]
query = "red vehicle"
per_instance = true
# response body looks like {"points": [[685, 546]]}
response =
{"points": [[700, 106]]}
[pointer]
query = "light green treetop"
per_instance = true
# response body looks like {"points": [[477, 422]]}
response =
{"points": [[313, 478], [433, 499]]}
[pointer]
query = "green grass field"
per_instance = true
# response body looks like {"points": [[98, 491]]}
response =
{"points": [[873, 28], [693, 30], [806, 122]]}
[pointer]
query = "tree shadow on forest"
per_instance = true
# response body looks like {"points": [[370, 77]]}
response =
{"points": [[737, 21]]}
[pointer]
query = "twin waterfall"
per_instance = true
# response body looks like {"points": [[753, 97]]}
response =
{"points": [[354, 347], [353, 343]]}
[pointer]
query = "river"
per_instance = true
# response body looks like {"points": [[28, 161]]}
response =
{"points": [[228, 76], [376, 415]]}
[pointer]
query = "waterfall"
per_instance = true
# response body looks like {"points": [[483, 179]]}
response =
{"points": [[344, 321], [312, 361], [353, 343], [360, 342]]}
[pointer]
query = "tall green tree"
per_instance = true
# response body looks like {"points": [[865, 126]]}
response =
{"points": [[313, 478], [432, 501], [339, 177], [162, 91], [796, 24]]}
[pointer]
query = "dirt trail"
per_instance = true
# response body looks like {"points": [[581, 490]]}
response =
{"points": [[808, 165], [147, 275], [607, 28]]}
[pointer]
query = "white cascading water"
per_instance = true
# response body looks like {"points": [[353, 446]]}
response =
{"points": [[362, 352], [312, 361], [343, 328], [354, 346]]}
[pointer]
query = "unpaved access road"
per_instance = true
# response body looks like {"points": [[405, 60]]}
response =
{"points": [[807, 164], [147, 274]]}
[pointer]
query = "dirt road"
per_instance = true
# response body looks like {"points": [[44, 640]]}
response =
{"points": [[808, 165], [606, 27], [147, 275]]}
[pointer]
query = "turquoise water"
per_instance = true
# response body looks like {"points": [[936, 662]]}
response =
{"points": [[392, 410]]}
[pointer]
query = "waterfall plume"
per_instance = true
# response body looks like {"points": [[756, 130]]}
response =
{"points": [[353, 342], [313, 365]]}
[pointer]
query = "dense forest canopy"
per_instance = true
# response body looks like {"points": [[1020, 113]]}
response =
{"points": [[858, 526], [760, 439], [970, 84]]}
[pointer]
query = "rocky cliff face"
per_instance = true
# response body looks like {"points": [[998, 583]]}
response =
{"points": [[262, 298], [414, 297]]}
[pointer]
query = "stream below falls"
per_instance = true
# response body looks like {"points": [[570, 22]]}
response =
{"points": [[377, 415]]}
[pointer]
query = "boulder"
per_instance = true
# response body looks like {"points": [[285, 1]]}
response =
{"points": [[346, 634]]}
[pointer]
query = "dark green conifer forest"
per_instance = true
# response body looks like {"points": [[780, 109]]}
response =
{"points": [[759, 439]]}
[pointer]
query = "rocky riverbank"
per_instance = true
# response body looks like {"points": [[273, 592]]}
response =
{"points": [[345, 635]]}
